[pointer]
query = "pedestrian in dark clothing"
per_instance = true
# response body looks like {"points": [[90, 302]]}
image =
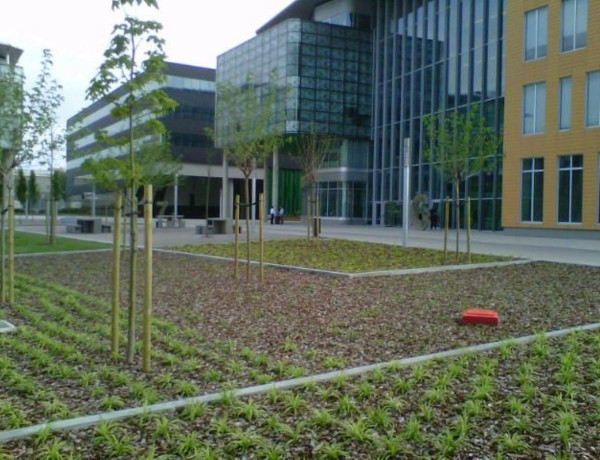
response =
{"points": [[433, 217]]}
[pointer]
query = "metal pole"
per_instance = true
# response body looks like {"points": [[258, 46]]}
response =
{"points": [[176, 198], [406, 206], [261, 238]]}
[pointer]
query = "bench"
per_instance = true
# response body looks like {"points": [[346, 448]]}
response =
{"points": [[106, 228], [166, 221], [74, 228], [206, 230]]}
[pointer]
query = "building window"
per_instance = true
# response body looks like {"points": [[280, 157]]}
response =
{"points": [[532, 193], [534, 108], [574, 25], [536, 34], [570, 188], [564, 115], [592, 117]]}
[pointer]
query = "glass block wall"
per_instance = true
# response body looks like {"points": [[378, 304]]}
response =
{"points": [[324, 79]]}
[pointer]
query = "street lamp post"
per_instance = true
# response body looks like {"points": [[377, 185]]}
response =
{"points": [[406, 206]]}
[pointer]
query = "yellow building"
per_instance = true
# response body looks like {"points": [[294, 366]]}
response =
{"points": [[552, 116]]}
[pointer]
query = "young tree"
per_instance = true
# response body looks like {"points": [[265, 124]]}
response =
{"points": [[134, 61], [21, 127], [48, 94], [59, 185], [311, 149], [246, 131], [460, 145], [21, 189], [33, 191]]}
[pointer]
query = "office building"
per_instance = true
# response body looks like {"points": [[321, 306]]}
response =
{"points": [[552, 127], [193, 88], [322, 57], [381, 66], [9, 56]]}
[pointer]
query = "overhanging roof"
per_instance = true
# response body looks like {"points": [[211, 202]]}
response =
{"points": [[299, 9], [13, 53]]}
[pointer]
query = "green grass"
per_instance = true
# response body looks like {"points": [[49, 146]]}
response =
{"points": [[29, 243], [341, 255]]}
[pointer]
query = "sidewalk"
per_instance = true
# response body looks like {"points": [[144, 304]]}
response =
{"points": [[567, 250]]}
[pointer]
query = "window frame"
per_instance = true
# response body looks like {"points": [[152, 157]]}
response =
{"points": [[536, 86], [576, 6], [531, 192], [561, 101], [587, 100], [571, 170], [537, 12]]}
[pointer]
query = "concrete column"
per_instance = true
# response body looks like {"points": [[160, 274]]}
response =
{"points": [[275, 189], [229, 204], [225, 196]]}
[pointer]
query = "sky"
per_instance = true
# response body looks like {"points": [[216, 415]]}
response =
{"points": [[78, 31]]}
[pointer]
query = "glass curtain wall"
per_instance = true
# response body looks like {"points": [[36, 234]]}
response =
{"points": [[435, 56], [324, 83]]}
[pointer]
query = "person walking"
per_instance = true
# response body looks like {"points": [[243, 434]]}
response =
{"points": [[272, 214], [433, 217], [281, 214]]}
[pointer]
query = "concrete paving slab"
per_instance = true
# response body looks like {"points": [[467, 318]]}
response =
{"points": [[564, 250]]}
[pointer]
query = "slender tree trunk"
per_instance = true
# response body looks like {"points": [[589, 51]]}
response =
{"points": [[457, 200], [236, 236], [207, 201], [261, 223], [125, 229], [147, 328], [446, 228], [132, 277], [3, 237], [468, 225], [52, 236], [248, 207], [308, 217], [11, 247], [116, 275], [317, 220], [53, 221], [133, 247]]}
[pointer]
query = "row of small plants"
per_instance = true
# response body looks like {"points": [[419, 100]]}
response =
{"points": [[535, 401], [339, 255], [58, 364]]}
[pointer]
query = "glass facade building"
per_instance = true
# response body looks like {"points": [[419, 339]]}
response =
{"points": [[434, 56], [324, 79], [374, 80]]}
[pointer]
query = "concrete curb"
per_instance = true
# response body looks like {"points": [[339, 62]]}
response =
{"points": [[62, 253], [335, 274], [444, 268], [6, 327], [92, 420]]}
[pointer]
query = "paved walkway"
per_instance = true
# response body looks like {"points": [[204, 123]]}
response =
{"points": [[567, 250]]}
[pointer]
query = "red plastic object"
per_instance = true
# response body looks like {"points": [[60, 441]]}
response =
{"points": [[489, 317]]}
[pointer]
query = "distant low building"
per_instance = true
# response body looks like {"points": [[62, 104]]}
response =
{"points": [[193, 88]]}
